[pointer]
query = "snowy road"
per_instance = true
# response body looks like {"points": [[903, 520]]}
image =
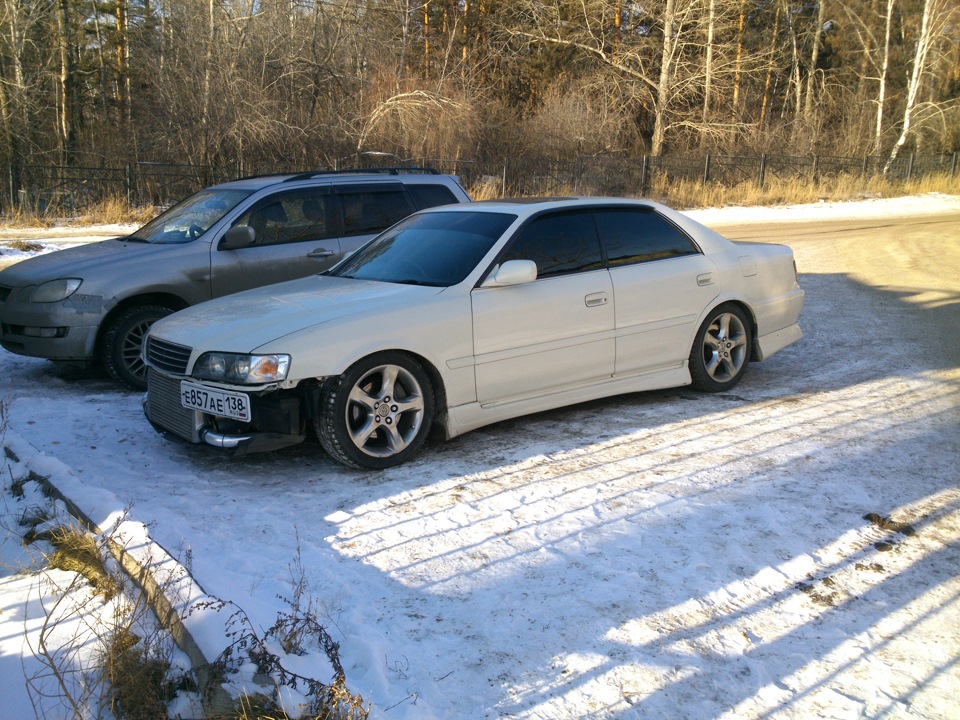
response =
{"points": [[666, 554]]}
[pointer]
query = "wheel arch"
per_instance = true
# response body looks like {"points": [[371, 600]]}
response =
{"points": [[438, 427], [744, 306], [174, 302]]}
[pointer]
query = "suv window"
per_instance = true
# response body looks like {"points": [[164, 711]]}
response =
{"points": [[559, 243], [634, 236], [427, 196], [291, 217], [368, 210]]}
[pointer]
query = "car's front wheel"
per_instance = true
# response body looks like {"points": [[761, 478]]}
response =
{"points": [[378, 413], [123, 340], [721, 350]]}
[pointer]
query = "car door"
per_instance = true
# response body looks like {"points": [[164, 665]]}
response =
{"points": [[296, 233], [662, 284], [555, 332]]}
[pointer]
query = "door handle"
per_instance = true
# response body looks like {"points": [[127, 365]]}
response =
{"points": [[320, 253], [595, 299], [705, 279]]}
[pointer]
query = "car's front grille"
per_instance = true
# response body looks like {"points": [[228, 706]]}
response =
{"points": [[164, 409], [167, 356]]}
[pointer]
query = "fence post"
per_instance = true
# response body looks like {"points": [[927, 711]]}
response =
{"points": [[910, 166], [763, 170], [953, 165], [816, 169], [706, 169], [644, 174], [503, 187], [131, 183]]}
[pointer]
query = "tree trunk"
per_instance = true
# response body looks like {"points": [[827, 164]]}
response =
{"points": [[924, 42], [426, 39], [882, 90], [738, 73], [708, 63], [666, 73], [771, 65], [814, 59], [67, 115]]}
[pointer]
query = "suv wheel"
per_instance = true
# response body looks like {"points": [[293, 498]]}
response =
{"points": [[123, 340]]}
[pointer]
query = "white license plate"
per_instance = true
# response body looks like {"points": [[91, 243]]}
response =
{"points": [[216, 402]]}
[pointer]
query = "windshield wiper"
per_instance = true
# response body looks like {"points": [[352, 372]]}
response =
{"points": [[412, 281]]}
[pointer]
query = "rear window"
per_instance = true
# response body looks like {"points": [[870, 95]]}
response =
{"points": [[366, 212], [633, 236], [427, 196]]}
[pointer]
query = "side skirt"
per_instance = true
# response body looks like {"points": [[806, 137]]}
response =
{"points": [[471, 416]]}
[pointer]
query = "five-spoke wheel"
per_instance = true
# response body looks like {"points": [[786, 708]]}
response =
{"points": [[721, 350], [123, 340], [378, 413]]}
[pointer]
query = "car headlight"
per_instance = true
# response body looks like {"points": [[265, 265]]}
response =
{"points": [[55, 290], [241, 369]]}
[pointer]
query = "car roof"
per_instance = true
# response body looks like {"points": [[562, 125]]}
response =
{"points": [[526, 206], [256, 182]]}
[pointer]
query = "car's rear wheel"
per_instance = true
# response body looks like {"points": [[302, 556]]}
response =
{"points": [[123, 340], [721, 350], [378, 413]]}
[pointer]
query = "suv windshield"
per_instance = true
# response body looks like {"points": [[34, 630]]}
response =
{"points": [[438, 249], [190, 218]]}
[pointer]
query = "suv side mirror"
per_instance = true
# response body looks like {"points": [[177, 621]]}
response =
{"points": [[239, 236], [512, 272]]}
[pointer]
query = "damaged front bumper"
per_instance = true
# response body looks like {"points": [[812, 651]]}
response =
{"points": [[277, 419]]}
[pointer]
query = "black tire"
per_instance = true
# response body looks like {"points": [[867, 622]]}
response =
{"points": [[122, 342], [721, 350], [378, 413]]}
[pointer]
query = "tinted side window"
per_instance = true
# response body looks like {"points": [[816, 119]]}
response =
{"points": [[559, 244], [634, 236], [366, 212], [290, 217], [427, 196]]}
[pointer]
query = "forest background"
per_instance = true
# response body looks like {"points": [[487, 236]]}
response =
{"points": [[261, 85]]}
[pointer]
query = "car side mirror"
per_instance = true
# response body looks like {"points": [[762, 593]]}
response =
{"points": [[239, 236], [512, 272]]}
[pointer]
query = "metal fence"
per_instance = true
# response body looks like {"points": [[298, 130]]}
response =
{"points": [[37, 189]]}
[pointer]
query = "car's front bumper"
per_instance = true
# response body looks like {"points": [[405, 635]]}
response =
{"points": [[276, 420], [57, 331]]}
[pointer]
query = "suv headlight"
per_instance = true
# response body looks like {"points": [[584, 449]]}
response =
{"points": [[55, 290], [241, 369]]}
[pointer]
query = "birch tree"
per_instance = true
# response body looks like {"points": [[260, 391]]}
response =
{"points": [[933, 33]]}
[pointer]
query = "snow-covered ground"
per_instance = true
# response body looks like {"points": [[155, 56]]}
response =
{"points": [[788, 549]]}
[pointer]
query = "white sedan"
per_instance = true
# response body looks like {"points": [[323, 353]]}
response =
{"points": [[462, 316]]}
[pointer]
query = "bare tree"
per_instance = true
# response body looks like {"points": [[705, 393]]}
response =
{"points": [[931, 36]]}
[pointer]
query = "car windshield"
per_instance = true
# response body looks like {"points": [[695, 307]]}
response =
{"points": [[438, 249], [190, 218]]}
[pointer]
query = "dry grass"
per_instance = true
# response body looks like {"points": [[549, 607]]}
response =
{"points": [[683, 194], [18, 217], [116, 211], [139, 687], [76, 551], [111, 211]]}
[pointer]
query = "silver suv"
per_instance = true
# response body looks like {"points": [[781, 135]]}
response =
{"points": [[94, 303]]}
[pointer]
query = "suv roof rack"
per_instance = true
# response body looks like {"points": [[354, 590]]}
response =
{"points": [[365, 171]]}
